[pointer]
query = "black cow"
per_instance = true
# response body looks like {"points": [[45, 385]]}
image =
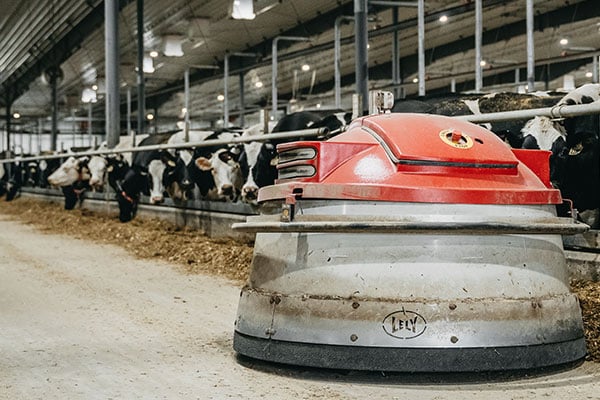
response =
{"points": [[582, 175], [3, 180], [144, 176], [45, 169], [216, 169], [259, 158], [14, 179]]}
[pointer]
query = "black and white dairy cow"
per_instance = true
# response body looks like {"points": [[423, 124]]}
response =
{"points": [[2, 180], [216, 169], [72, 177], [574, 164], [14, 174], [144, 176], [112, 168], [259, 160], [178, 176]]}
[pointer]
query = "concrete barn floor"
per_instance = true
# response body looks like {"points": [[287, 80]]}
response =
{"points": [[80, 320]]}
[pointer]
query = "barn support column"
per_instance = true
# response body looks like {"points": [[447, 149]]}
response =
{"points": [[337, 55], [141, 95], [40, 129], [226, 84], [274, 67], [421, 50], [595, 71], [242, 100], [530, 48], [478, 35], [89, 127], [361, 40], [111, 38], [186, 104], [54, 95], [129, 131], [396, 79], [8, 127], [226, 91]]}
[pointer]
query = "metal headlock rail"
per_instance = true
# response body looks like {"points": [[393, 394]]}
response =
{"points": [[258, 138], [560, 111]]}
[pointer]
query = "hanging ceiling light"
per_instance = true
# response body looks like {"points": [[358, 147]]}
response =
{"points": [[148, 65], [242, 9], [172, 46], [88, 95]]}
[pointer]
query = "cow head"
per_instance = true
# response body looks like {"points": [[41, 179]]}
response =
{"points": [[262, 160], [128, 191], [116, 170], [177, 178], [70, 171], [544, 131], [156, 170], [225, 174], [32, 173], [97, 166]]}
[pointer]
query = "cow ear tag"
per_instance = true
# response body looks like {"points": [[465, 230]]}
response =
{"points": [[110, 168], [171, 163]]}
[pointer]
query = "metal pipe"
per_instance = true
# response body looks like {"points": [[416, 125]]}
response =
{"points": [[205, 143], [361, 61], [39, 135], [54, 131], [563, 226], [128, 113], [113, 120], [73, 128], [90, 109], [226, 84], [186, 103], [396, 79], [530, 48], [226, 92], [393, 3], [242, 100], [560, 111], [421, 50], [274, 67], [8, 120], [30, 143], [595, 71], [337, 51], [478, 35], [141, 95]]}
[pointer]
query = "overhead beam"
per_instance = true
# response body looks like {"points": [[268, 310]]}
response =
{"points": [[59, 53], [568, 14], [572, 13]]}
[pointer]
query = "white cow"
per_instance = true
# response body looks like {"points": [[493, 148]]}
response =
{"points": [[546, 131], [98, 166], [72, 170]]}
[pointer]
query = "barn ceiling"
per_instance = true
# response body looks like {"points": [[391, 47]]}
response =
{"points": [[38, 36]]}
